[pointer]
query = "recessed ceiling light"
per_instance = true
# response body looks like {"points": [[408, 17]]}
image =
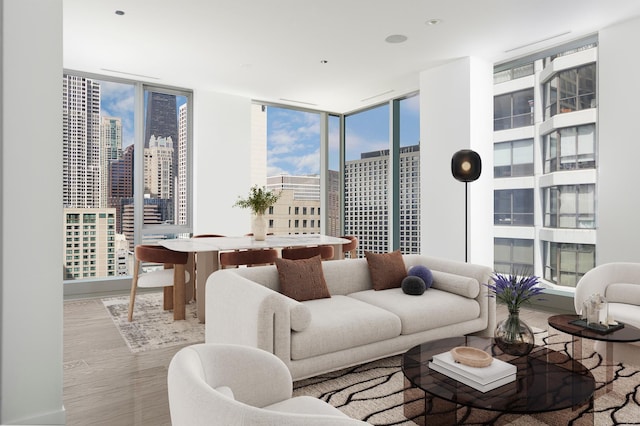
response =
{"points": [[119, 12], [396, 38], [434, 21]]}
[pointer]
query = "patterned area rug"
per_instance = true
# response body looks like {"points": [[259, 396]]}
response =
{"points": [[374, 392], [152, 327]]}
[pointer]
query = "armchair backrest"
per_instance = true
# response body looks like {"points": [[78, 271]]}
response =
{"points": [[618, 282], [222, 384]]}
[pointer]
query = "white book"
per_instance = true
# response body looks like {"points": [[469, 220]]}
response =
{"points": [[486, 387], [482, 375]]}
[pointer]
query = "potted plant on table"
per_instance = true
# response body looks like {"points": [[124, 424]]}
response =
{"points": [[512, 335], [259, 200]]}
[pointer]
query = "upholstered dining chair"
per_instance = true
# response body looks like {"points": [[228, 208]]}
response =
{"points": [[233, 259], [234, 385], [350, 247], [174, 264], [295, 253]]}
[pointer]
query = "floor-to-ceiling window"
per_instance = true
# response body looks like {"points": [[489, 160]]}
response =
{"points": [[376, 167], [545, 166], [289, 167], [366, 178], [112, 198]]}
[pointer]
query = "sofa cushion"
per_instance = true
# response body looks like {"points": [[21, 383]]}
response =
{"points": [[457, 284], [432, 309], [623, 293], [302, 279], [387, 270], [341, 323]]}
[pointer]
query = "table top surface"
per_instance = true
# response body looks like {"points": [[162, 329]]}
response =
{"points": [[563, 323], [246, 242], [546, 380]]}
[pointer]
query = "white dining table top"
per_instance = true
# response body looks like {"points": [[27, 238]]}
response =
{"points": [[240, 243]]}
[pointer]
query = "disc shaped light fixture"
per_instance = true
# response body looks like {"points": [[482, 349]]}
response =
{"points": [[466, 165]]}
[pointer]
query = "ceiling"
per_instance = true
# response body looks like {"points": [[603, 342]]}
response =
{"points": [[273, 50]]}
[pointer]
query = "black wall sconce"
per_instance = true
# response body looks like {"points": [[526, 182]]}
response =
{"points": [[466, 166]]}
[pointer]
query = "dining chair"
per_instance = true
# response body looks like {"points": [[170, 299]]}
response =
{"points": [[174, 265], [295, 253], [233, 259], [350, 247]]}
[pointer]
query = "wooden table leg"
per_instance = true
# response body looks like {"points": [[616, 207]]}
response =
{"points": [[206, 264], [178, 292]]}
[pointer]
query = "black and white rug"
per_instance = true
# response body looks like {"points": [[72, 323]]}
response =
{"points": [[374, 392], [152, 327]]}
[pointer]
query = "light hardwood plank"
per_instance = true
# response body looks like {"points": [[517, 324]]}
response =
{"points": [[106, 384]]}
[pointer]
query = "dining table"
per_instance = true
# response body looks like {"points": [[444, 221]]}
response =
{"points": [[205, 252]]}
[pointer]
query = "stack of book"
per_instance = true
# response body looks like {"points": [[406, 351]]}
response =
{"points": [[484, 379]]}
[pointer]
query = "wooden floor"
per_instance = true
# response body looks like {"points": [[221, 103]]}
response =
{"points": [[106, 384]]}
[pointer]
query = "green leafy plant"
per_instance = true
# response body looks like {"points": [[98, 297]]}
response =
{"points": [[259, 200]]}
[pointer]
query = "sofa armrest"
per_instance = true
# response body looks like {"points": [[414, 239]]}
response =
{"points": [[243, 312]]}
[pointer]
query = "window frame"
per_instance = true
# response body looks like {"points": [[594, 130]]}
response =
{"points": [[121, 282]]}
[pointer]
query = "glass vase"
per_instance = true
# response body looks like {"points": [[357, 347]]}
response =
{"points": [[513, 336]]}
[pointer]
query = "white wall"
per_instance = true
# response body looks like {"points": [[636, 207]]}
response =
{"points": [[456, 112], [32, 257], [618, 202], [222, 170]]}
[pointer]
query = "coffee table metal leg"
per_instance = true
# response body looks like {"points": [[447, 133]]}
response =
{"points": [[609, 367]]}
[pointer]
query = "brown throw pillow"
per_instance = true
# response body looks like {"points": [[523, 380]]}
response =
{"points": [[302, 279], [387, 270]]}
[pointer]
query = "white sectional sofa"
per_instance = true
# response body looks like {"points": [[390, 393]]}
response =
{"points": [[356, 324]]}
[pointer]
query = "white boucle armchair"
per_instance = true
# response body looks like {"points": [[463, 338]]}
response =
{"points": [[619, 283], [220, 384]]}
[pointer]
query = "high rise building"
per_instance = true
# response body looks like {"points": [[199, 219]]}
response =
{"points": [[158, 169], [89, 243], [545, 164], [110, 151], [366, 211], [297, 211], [182, 165], [81, 142], [121, 183], [161, 118], [333, 226]]}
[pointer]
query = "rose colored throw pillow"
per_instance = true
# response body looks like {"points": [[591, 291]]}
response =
{"points": [[387, 270], [302, 279]]}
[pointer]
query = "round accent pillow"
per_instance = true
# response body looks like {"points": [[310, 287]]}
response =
{"points": [[413, 285], [422, 272]]}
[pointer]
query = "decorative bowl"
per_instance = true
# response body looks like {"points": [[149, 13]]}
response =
{"points": [[473, 357]]}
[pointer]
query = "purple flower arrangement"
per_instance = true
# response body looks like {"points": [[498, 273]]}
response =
{"points": [[513, 289]]}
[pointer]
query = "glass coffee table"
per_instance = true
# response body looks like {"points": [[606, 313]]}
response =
{"points": [[546, 381], [567, 324]]}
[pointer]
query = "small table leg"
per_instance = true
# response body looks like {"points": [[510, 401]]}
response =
{"points": [[178, 292]]}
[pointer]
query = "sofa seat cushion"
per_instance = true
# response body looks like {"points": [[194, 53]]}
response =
{"points": [[342, 322], [432, 309]]}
